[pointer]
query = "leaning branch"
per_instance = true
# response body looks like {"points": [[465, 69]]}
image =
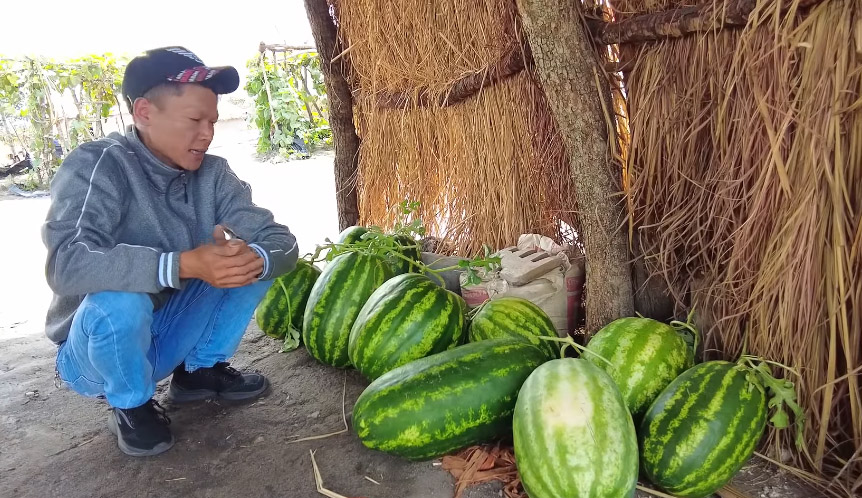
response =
{"points": [[461, 89], [679, 22]]}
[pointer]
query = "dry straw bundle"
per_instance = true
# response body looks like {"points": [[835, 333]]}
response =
{"points": [[485, 169], [745, 168]]}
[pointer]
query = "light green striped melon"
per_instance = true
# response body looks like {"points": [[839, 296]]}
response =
{"points": [[702, 429], [516, 317], [573, 435], [645, 356], [407, 318], [335, 300]]}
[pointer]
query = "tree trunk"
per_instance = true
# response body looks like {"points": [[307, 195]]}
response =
{"points": [[567, 70], [340, 112]]}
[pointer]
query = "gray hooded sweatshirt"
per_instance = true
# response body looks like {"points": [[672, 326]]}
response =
{"points": [[119, 219]]}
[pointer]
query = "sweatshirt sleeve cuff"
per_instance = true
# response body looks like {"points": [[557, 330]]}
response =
{"points": [[263, 254], [169, 270]]}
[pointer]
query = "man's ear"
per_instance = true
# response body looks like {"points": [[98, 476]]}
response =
{"points": [[142, 111]]}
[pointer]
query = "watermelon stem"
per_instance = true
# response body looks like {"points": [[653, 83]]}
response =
{"points": [[688, 327], [570, 342]]}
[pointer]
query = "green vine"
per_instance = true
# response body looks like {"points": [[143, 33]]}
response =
{"points": [[298, 107], [385, 244], [28, 90]]}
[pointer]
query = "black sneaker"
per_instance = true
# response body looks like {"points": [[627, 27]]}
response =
{"points": [[141, 431], [219, 381]]}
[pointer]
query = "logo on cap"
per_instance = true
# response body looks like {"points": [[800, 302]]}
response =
{"points": [[185, 53]]}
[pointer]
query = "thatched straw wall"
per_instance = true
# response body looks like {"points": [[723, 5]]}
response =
{"points": [[486, 169], [746, 185]]}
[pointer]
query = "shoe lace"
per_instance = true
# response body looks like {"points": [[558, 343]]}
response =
{"points": [[225, 367], [142, 413], [160, 411]]}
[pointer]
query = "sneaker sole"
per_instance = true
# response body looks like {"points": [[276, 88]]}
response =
{"points": [[137, 452], [178, 395]]}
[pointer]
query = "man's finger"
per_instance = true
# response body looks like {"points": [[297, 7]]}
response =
{"points": [[219, 238], [251, 268], [233, 249], [237, 281]]}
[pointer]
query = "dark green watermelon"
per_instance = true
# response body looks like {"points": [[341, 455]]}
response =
{"points": [[279, 314]]}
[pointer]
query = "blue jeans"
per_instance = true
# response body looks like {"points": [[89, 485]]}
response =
{"points": [[119, 348]]}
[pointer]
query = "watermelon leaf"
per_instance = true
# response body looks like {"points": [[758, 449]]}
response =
{"points": [[291, 340], [781, 392]]}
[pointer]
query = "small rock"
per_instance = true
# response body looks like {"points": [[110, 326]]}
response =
{"points": [[258, 440], [314, 414]]}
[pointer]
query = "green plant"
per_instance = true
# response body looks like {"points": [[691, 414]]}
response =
{"points": [[29, 87], [290, 102]]}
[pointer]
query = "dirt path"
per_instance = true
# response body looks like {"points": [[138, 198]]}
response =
{"points": [[56, 443]]}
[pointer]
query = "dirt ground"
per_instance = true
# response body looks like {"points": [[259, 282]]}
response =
{"points": [[56, 443]]}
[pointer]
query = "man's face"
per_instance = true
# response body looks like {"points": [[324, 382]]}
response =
{"points": [[178, 129]]}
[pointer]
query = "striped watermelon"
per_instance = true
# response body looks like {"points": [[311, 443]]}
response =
{"points": [[351, 234], [407, 318], [702, 428], [279, 313], [573, 435], [514, 316], [335, 300], [447, 401], [644, 355], [410, 250]]}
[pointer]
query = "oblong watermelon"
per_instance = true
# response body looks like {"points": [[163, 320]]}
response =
{"points": [[702, 428], [410, 250], [279, 314], [447, 401], [645, 356], [351, 234], [407, 318], [573, 435], [335, 300], [517, 317]]}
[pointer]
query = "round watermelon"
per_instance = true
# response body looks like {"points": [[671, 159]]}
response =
{"points": [[516, 317], [573, 435], [407, 318], [279, 314], [410, 250], [351, 234], [702, 428], [335, 300], [643, 357]]}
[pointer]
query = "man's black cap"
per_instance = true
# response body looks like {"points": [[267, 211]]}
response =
{"points": [[178, 65]]}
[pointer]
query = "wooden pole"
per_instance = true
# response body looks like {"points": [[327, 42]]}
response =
{"points": [[681, 21], [340, 112]]}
